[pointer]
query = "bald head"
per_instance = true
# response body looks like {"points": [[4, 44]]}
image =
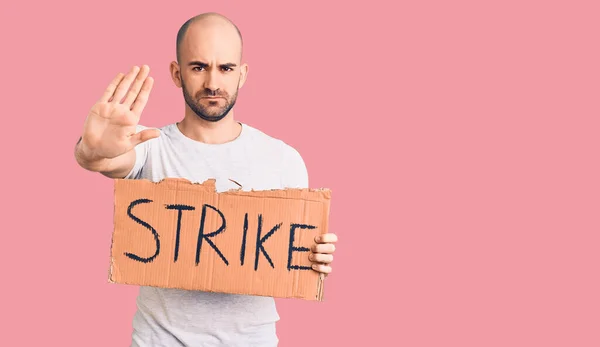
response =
{"points": [[209, 68], [210, 23]]}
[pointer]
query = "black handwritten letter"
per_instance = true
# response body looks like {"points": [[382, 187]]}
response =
{"points": [[292, 249], [243, 250], [180, 209], [202, 236], [260, 241], [148, 226]]}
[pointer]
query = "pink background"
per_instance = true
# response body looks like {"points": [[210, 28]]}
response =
{"points": [[465, 196]]}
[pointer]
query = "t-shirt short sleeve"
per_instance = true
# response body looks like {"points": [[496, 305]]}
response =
{"points": [[295, 174], [141, 155]]}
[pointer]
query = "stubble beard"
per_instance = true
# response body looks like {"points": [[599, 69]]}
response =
{"points": [[203, 112]]}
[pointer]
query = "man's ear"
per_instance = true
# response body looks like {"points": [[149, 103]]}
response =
{"points": [[243, 74], [175, 73]]}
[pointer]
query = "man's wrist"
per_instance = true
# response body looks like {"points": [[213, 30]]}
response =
{"points": [[87, 159]]}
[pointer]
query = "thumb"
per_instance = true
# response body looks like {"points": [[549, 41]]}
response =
{"points": [[144, 135]]}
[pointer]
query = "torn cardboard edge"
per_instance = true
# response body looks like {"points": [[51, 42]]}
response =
{"points": [[209, 186], [211, 183], [318, 297]]}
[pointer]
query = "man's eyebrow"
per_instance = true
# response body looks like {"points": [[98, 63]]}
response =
{"points": [[200, 63], [196, 62]]}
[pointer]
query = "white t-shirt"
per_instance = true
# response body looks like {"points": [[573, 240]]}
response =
{"points": [[174, 317]]}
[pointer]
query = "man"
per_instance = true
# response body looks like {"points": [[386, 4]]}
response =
{"points": [[206, 143]]}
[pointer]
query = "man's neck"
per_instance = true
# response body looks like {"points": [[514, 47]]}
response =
{"points": [[223, 131]]}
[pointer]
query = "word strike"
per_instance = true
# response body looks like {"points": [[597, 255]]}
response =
{"points": [[205, 237]]}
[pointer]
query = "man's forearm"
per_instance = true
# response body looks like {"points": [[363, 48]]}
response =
{"points": [[117, 167]]}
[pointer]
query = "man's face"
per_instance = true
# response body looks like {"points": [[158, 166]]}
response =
{"points": [[210, 71], [208, 104]]}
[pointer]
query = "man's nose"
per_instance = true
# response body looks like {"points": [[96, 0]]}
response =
{"points": [[212, 81]]}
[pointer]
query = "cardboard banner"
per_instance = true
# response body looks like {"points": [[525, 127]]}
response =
{"points": [[178, 234]]}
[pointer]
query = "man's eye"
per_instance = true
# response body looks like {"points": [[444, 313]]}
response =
{"points": [[197, 68]]}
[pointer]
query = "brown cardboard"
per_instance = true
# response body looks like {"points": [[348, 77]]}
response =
{"points": [[143, 207]]}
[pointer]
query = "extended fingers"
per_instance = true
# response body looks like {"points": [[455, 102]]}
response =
{"points": [[142, 97], [144, 135], [137, 85], [125, 83], [110, 89]]}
